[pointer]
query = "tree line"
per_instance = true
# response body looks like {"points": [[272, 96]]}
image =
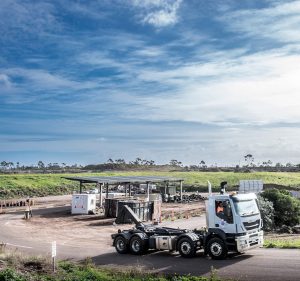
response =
{"points": [[139, 163]]}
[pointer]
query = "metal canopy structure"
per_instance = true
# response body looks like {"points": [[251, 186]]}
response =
{"points": [[127, 180], [122, 179]]}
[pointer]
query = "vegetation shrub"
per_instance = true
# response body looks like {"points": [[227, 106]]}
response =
{"points": [[286, 207], [9, 274], [267, 213]]}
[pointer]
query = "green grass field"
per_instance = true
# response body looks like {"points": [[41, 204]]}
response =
{"points": [[20, 185], [282, 243]]}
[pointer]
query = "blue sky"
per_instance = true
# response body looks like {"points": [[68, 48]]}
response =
{"points": [[192, 80]]}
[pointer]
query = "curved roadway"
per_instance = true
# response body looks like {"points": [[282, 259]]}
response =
{"points": [[257, 264]]}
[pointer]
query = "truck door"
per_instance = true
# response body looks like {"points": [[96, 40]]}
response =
{"points": [[224, 216]]}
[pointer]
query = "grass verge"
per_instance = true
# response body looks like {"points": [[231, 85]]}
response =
{"points": [[282, 243], [15, 267]]}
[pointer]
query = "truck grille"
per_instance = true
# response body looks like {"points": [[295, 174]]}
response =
{"points": [[252, 225]]}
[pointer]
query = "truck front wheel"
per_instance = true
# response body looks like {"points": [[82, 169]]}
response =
{"points": [[138, 246], [186, 248], [217, 249]]}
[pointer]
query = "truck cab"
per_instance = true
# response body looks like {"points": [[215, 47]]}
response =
{"points": [[235, 219]]}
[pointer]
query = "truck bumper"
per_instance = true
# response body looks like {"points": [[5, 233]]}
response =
{"points": [[249, 241]]}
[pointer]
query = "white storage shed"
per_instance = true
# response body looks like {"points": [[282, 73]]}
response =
{"points": [[83, 203]]}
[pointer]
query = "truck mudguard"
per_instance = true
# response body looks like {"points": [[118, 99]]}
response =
{"points": [[126, 235], [194, 237], [213, 232], [140, 234]]}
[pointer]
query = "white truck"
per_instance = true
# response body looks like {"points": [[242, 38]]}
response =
{"points": [[234, 224]]}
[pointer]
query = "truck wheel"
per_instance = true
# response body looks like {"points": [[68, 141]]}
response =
{"points": [[120, 245], [138, 245], [186, 248], [217, 249]]}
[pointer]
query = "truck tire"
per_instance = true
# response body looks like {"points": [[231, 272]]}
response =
{"points": [[138, 246], [186, 248], [120, 245], [217, 248]]}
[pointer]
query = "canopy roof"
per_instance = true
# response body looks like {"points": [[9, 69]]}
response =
{"points": [[124, 179]]}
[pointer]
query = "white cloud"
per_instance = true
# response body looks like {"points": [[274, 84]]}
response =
{"points": [[255, 89], [159, 13], [150, 52], [89, 9], [27, 16], [5, 81], [40, 79], [99, 59], [21, 85], [280, 22]]}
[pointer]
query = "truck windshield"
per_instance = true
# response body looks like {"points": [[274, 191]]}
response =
{"points": [[246, 207]]}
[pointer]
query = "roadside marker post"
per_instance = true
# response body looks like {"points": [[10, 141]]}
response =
{"points": [[54, 256]]}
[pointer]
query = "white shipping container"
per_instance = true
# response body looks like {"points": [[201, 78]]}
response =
{"points": [[83, 203], [251, 186]]}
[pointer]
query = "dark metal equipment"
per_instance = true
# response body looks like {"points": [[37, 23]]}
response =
{"points": [[143, 237], [143, 210], [127, 214]]}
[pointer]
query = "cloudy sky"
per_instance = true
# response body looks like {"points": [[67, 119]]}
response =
{"points": [[84, 81]]}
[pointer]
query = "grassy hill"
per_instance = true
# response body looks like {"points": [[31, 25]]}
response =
{"points": [[20, 185]]}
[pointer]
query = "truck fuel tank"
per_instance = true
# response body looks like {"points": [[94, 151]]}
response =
{"points": [[164, 242]]}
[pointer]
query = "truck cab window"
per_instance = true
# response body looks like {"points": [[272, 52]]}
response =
{"points": [[223, 210], [219, 208]]}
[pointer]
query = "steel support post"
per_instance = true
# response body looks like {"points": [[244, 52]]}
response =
{"points": [[148, 191], [101, 199], [181, 191], [80, 187]]}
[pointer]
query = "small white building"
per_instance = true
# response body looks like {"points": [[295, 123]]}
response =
{"points": [[83, 204]]}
